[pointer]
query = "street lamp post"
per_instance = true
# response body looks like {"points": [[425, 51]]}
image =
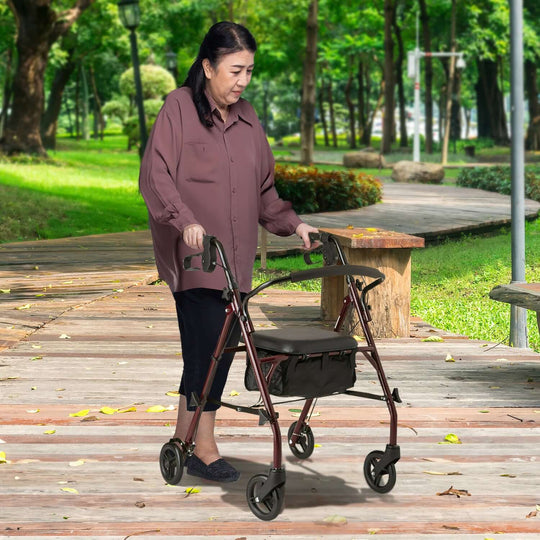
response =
{"points": [[129, 13], [413, 71], [170, 60]]}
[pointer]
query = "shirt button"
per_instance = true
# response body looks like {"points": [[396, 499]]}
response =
{"points": [[234, 219], [232, 160], [233, 190]]}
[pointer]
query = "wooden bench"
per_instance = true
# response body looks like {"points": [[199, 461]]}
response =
{"points": [[389, 252], [524, 295]]}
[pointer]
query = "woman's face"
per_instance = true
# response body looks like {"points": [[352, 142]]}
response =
{"points": [[230, 78]]}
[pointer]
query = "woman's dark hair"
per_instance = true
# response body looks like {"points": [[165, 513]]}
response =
{"points": [[222, 38]]}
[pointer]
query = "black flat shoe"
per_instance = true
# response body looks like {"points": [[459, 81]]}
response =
{"points": [[217, 471]]}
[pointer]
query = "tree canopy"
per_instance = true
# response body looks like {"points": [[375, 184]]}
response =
{"points": [[58, 55]]}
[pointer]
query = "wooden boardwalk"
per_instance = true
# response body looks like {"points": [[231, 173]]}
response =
{"points": [[82, 328]]}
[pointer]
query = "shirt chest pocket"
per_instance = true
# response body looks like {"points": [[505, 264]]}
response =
{"points": [[200, 163]]}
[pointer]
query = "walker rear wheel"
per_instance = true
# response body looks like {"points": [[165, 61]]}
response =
{"points": [[269, 507], [303, 448], [171, 463], [382, 481]]}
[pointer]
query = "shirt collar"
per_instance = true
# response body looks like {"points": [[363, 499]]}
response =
{"points": [[236, 110]]}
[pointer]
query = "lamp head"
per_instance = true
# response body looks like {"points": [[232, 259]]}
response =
{"points": [[130, 13]]}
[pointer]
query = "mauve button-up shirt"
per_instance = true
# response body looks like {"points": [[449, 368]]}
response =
{"points": [[220, 177]]}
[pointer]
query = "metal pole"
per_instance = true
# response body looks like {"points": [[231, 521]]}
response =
{"points": [[416, 138], [138, 90], [518, 316]]}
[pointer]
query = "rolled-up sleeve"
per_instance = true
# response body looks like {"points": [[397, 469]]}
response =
{"points": [[158, 171]]}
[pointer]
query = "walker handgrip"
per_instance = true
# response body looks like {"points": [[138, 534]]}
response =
{"points": [[336, 270], [209, 258]]}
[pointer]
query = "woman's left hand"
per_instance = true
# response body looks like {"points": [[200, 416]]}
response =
{"points": [[303, 231]]}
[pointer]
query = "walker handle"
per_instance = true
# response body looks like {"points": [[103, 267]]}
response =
{"points": [[329, 250], [337, 270], [208, 259]]}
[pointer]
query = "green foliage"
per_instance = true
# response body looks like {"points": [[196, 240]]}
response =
{"points": [[499, 179], [156, 82], [117, 109], [311, 190]]}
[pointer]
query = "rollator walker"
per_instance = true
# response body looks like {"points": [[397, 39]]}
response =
{"points": [[303, 362]]}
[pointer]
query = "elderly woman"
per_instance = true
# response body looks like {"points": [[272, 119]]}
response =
{"points": [[208, 169]]}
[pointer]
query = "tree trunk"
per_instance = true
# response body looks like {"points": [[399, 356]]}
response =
{"points": [[449, 86], [532, 141], [49, 120], [38, 27], [307, 114], [489, 103], [361, 102], [366, 139], [389, 80], [399, 80], [85, 131], [428, 78], [330, 91], [352, 113], [99, 121], [322, 112]]}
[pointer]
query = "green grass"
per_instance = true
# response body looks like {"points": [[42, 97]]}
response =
{"points": [[86, 188], [451, 282]]}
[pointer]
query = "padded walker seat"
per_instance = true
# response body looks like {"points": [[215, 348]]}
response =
{"points": [[302, 340]]}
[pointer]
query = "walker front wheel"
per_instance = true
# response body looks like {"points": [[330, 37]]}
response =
{"points": [[266, 508], [381, 481], [305, 443], [171, 463]]}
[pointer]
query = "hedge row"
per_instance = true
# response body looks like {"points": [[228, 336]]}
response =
{"points": [[311, 190], [499, 179]]}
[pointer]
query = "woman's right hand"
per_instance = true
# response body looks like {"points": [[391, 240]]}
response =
{"points": [[193, 236]]}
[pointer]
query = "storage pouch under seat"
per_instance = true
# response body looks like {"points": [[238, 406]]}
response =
{"points": [[319, 363]]}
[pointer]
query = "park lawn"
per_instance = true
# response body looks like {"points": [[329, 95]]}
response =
{"points": [[88, 187]]}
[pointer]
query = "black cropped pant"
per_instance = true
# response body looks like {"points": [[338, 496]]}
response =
{"points": [[201, 315]]}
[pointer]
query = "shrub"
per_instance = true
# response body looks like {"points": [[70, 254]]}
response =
{"points": [[499, 179], [310, 190]]}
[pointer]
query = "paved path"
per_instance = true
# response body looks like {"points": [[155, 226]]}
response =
{"points": [[82, 328]]}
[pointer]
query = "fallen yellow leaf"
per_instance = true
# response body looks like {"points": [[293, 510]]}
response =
{"points": [[338, 520], [234, 393], [77, 463], [32, 411], [156, 408], [84, 412], [26, 306], [50, 432], [3, 457], [127, 409], [107, 410], [192, 490], [372, 229], [5, 291], [451, 438], [433, 339], [69, 490], [173, 393], [449, 358]]}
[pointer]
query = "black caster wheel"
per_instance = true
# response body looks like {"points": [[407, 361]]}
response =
{"points": [[303, 448], [384, 481], [269, 507], [171, 463]]}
